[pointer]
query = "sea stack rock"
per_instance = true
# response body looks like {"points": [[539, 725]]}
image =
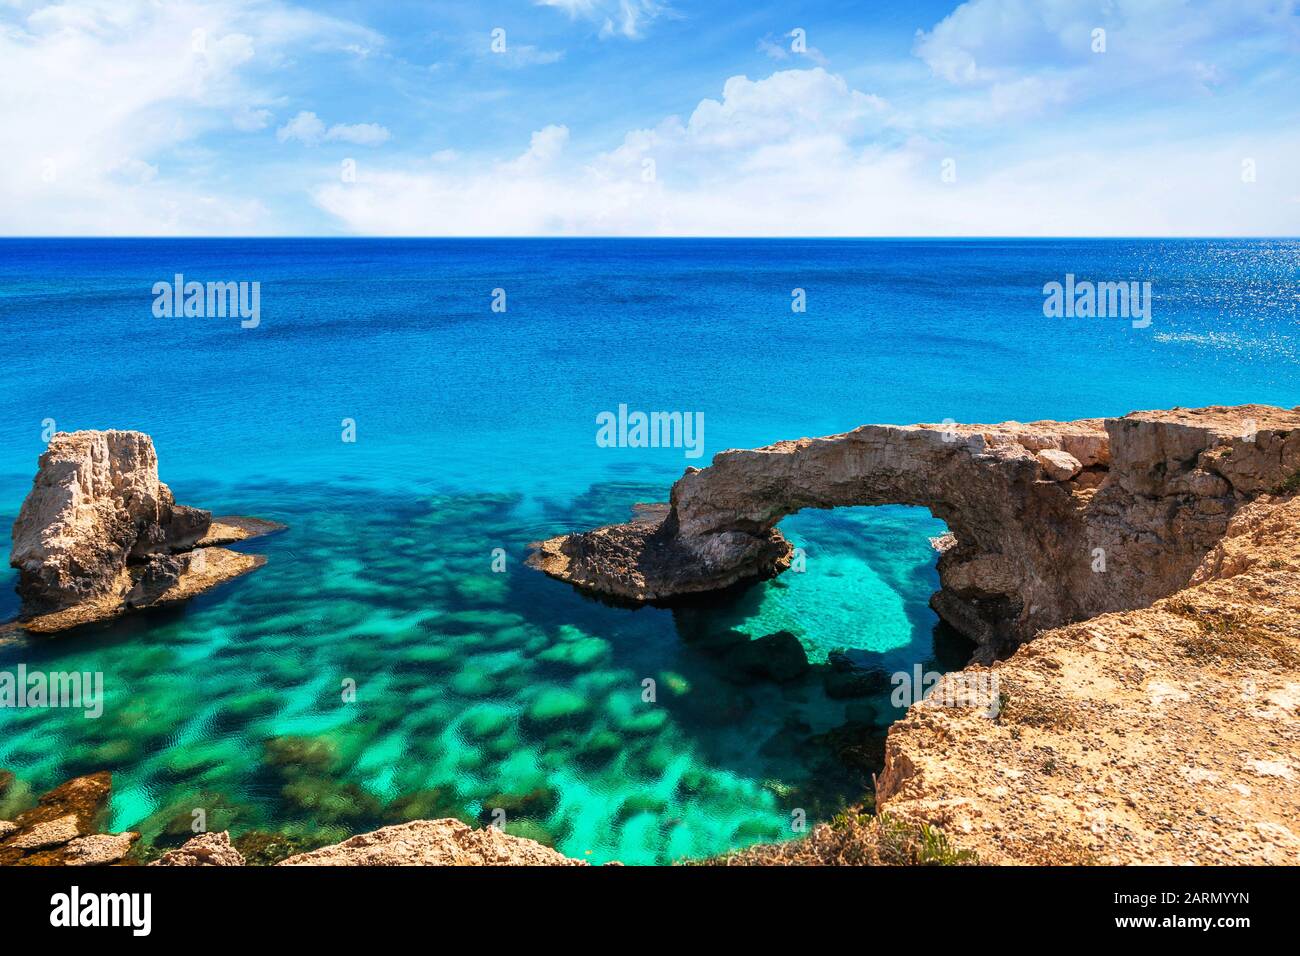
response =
{"points": [[99, 533], [1051, 522]]}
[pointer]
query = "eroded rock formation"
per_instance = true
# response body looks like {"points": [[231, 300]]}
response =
{"points": [[1051, 522], [206, 849], [63, 828], [100, 534], [1165, 735]]}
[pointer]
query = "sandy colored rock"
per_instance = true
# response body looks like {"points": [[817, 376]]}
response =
{"points": [[99, 534], [84, 798], [206, 849], [230, 529], [7, 829], [1058, 465], [75, 808], [434, 843], [99, 849], [47, 833], [1167, 735], [96, 499], [1154, 495]]}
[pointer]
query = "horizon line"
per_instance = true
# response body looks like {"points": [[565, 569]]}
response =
{"points": [[643, 238]]}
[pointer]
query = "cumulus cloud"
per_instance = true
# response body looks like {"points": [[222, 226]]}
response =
{"points": [[544, 147], [803, 153], [108, 93], [308, 128], [116, 96], [1025, 56]]}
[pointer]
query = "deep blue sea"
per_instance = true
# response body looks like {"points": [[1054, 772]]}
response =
{"points": [[475, 430]]}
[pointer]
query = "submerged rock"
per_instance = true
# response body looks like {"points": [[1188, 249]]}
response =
{"points": [[843, 679], [779, 657], [100, 534]]}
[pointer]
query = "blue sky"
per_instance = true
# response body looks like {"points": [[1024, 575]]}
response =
{"points": [[640, 117]]}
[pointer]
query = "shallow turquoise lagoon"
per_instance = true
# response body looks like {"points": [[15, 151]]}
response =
{"points": [[478, 690]]}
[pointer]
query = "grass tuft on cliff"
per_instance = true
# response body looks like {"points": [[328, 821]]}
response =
{"points": [[1289, 486], [855, 838]]}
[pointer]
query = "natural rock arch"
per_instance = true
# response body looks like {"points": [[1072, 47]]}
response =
{"points": [[1051, 522]]}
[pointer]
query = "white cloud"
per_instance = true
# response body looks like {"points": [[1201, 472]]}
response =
{"points": [[792, 103], [802, 153], [308, 128], [359, 134], [992, 42], [116, 97], [543, 147], [519, 56], [625, 18], [110, 91], [784, 49], [250, 120]]}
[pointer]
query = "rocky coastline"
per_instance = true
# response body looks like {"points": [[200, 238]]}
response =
{"points": [[100, 535], [1131, 587], [64, 828], [1051, 522]]}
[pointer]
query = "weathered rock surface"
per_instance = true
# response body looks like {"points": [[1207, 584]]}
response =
{"points": [[206, 849], [100, 534], [1058, 465], [1031, 549], [1167, 735], [99, 849], [445, 842], [62, 829], [230, 529]]}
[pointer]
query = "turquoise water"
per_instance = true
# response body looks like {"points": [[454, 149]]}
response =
{"points": [[475, 431]]}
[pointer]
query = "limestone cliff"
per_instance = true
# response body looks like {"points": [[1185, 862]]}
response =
{"points": [[99, 534], [1166, 735], [1051, 522]]}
